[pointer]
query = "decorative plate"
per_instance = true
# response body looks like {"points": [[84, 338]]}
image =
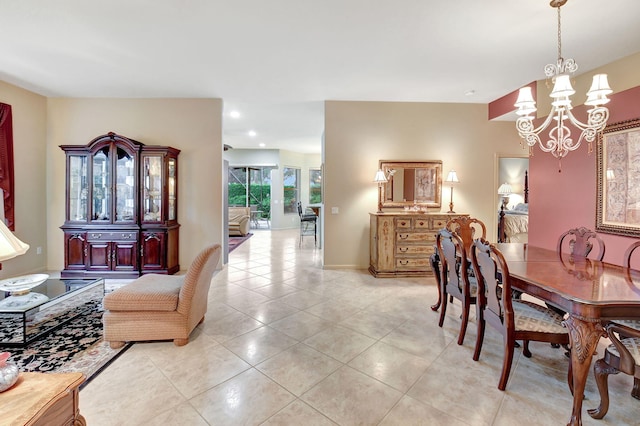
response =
{"points": [[25, 282]]}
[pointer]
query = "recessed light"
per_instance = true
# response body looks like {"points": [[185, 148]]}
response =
{"points": [[262, 144], [234, 114], [470, 93], [252, 133]]}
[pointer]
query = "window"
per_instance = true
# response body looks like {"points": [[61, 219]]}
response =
{"points": [[315, 186], [291, 182]]}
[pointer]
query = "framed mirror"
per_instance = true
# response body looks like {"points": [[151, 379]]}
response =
{"points": [[411, 183], [618, 171]]}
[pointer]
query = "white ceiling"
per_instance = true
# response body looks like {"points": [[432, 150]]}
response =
{"points": [[276, 61]]}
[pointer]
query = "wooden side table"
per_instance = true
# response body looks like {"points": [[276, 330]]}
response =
{"points": [[42, 399]]}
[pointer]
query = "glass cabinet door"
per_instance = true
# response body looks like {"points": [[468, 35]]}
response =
{"points": [[172, 189], [77, 188], [101, 184], [125, 187], [152, 191]]}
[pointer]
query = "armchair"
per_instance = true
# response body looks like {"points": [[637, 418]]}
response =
{"points": [[160, 307]]}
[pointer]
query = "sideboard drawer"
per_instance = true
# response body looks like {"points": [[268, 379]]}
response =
{"points": [[404, 249], [404, 223], [422, 224], [440, 223], [426, 237], [418, 263]]}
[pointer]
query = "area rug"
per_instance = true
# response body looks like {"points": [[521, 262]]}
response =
{"points": [[234, 242], [76, 346]]}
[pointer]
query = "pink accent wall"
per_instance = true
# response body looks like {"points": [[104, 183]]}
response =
{"points": [[560, 201]]}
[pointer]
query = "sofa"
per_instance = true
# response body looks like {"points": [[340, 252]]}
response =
{"points": [[239, 221], [160, 307]]}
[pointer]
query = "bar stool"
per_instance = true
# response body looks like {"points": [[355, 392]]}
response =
{"points": [[308, 224]]}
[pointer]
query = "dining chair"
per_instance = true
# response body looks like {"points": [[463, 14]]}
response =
{"points": [[628, 254], [623, 355], [580, 242], [454, 280], [515, 319], [468, 229], [629, 323]]}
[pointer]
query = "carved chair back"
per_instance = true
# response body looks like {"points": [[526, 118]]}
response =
{"points": [[580, 242], [629, 253], [468, 228]]}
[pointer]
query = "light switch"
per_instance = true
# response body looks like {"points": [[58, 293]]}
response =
{"points": [[335, 210]]}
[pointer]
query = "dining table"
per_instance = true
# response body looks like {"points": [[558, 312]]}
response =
{"points": [[590, 291]]}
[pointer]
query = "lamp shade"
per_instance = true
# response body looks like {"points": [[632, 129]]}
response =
{"points": [[525, 103], [452, 177], [600, 86], [562, 87], [380, 177], [505, 189], [10, 246]]}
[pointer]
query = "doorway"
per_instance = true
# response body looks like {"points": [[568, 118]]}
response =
{"points": [[250, 186]]}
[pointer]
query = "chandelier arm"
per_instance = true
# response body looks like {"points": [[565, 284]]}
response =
{"points": [[536, 131]]}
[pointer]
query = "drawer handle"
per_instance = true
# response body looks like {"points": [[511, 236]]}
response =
{"points": [[96, 235], [126, 236], [403, 223], [404, 262], [403, 236], [403, 249], [421, 223]]}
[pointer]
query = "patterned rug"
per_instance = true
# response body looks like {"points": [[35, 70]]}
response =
{"points": [[76, 346], [234, 242]]}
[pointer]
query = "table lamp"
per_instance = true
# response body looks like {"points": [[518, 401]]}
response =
{"points": [[452, 178], [10, 246], [380, 179], [505, 190]]}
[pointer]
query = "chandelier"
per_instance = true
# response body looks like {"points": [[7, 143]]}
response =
{"points": [[560, 142]]}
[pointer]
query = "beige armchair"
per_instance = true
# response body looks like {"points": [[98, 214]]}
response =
{"points": [[239, 221], [160, 307]]}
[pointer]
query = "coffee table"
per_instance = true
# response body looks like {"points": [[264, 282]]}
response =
{"points": [[52, 304]]}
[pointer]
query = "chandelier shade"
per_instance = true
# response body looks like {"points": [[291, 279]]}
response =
{"points": [[560, 142]]}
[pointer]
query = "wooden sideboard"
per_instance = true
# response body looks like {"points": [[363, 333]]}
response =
{"points": [[400, 243], [43, 399]]}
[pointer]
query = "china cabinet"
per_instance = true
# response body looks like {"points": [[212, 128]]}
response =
{"points": [[121, 208]]}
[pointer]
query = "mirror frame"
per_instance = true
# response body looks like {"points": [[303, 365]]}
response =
{"points": [[616, 192], [436, 188]]}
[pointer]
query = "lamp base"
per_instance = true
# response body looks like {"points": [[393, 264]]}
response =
{"points": [[450, 208]]}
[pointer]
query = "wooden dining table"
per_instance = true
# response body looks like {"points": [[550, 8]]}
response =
{"points": [[590, 291]]}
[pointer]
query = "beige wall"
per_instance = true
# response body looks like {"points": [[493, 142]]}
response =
{"points": [[191, 125], [359, 134], [29, 141]]}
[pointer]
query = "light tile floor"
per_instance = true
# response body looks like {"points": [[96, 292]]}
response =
{"points": [[288, 343]]}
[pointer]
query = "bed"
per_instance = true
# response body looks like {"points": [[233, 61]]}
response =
{"points": [[513, 225]]}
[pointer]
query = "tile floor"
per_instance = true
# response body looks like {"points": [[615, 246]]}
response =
{"points": [[288, 343]]}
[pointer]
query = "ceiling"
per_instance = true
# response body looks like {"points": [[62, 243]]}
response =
{"points": [[277, 61]]}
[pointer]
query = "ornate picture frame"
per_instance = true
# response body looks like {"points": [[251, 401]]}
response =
{"points": [[411, 183], [618, 179]]}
